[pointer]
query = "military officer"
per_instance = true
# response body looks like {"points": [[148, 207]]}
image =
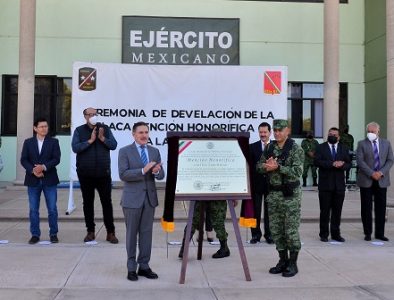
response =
{"points": [[283, 162], [309, 145]]}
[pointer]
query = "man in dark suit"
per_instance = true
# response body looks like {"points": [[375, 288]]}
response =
{"points": [[40, 156], [139, 165], [92, 142], [374, 161], [332, 158], [260, 185]]}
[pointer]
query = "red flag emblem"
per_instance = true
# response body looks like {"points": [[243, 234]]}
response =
{"points": [[272, 82]]}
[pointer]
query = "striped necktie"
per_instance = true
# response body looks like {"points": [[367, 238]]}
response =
{"points": [[376, 164], [144, 159]]}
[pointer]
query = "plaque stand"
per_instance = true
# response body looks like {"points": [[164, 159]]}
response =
{"points": [[200, 238], [173, 138]]}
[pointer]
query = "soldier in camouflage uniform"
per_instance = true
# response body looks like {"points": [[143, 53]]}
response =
{"points": [[309, 145], [348, 140], [283, 162], [218, 218]]}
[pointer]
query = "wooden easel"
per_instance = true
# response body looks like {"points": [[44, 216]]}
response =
{"points": [[201, 232]]}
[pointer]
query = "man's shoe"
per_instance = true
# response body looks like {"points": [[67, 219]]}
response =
{"points": [[382, 238], [54, 239], [254, 240], [269, 240], [89, 237], [112, 238], [324, 239], [367, 237], [148, 273], [34, 240], [338, 239], [132, 276]]}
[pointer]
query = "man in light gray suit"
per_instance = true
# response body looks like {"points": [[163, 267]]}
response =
{"points": [[139, 165], [374, 160]]}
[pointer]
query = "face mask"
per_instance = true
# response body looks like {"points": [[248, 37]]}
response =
{"points": [[93, 120], [309, 136], [371, 136], [332, 139]]}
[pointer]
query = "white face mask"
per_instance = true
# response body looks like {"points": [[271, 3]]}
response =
{"points": [[371, 136], [93, 120]]}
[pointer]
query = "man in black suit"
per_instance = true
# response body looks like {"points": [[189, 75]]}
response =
{"points": [[332, 158], [260, 185], [40, 156]]}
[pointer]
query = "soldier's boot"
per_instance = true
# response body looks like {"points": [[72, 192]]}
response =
{"points": [[314, 181], [282, 264], [180, 255], [292, 268], [224, 251], [303, 181]]}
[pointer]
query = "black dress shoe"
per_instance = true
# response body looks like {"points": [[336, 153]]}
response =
{"points": [[34, 240], [382, 238], [324, 239], [338, 239], [148, 273], [269, 240], [54, 239], [367, 237], [254, 240], [132, 276]]}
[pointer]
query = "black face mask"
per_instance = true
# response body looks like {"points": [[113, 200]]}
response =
{"points": [[332, 139], [309, 136]]}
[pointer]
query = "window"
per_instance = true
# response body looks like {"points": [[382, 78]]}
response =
{"points": [[52, 100], [305, 107]]}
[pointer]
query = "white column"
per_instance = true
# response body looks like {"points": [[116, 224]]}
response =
{"points": [[390, 87], [27, 36], [331, 65]]}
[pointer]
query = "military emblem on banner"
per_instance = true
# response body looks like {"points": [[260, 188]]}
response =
{"points": [[87, 79], [272, 82]]}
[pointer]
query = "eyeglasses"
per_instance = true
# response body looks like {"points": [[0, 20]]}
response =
{"points": [[42, 126], [91, 115]]}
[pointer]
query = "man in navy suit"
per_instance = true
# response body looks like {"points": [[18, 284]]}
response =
{"points": [[374, 161], [332, 158], [139, 165], [40, 156], [260, 185]]}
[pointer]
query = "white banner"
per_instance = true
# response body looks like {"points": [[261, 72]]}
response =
{"points": [[176, 98]]}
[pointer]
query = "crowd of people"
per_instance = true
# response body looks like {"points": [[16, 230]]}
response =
{"points": [[277, 167]]}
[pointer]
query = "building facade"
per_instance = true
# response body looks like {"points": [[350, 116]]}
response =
{"points": [[289, 33]]}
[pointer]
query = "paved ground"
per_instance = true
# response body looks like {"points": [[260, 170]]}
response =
{"points": [[72, 270]]}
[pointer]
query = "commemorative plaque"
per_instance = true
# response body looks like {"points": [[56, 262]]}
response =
{"points": [[211, 167]]}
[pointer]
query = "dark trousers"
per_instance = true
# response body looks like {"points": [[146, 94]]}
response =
{"points": [[104, 187], [331, 203], [257, 205], [377, 195]]}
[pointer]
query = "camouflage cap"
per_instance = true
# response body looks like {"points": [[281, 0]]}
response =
{"points": [[280, 124]]}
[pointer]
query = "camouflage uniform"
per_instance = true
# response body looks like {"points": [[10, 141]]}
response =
{"points": [[284, 167], [218, 218], [348, 140], [284, 212], [309, 145]]}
